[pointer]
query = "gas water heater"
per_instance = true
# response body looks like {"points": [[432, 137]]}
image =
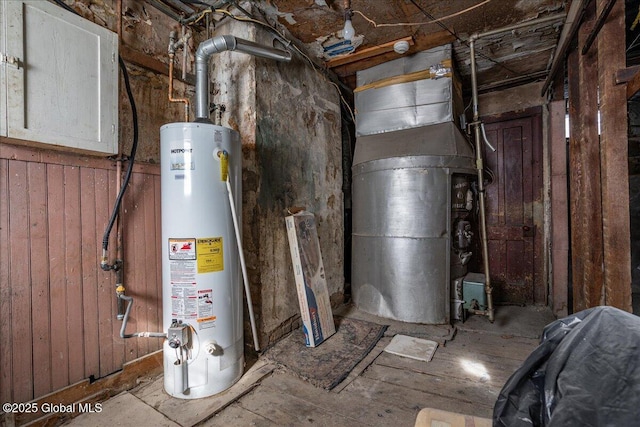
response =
{"points": [[202, 288], [202, 262]]}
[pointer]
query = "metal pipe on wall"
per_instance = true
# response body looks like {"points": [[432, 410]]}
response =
{"points": [[477, 125], [220, 44], [481, 194], [513, 27], [173, 45]]}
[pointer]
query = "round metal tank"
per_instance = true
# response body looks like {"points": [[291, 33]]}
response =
{"points": [[201, 280], [402, 221]]}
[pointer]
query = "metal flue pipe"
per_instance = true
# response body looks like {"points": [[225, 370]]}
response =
{"points": [[220, 44]]}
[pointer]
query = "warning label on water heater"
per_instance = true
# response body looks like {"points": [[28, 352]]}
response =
{"points": [[209, 255], [205, 319], [184, 300], [182, 269], [182, 248]]}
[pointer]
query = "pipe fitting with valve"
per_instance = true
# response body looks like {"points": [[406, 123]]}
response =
{"points": [[178, 335]]}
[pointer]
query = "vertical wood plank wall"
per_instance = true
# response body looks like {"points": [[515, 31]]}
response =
{"points": [[584, 173], [58, 308], [614, 147]]}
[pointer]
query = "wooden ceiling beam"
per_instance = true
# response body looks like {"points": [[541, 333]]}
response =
{"points": [[633, 85], [367, 53]]}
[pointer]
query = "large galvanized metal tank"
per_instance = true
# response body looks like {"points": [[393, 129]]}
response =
{"points": [[407, 151], [402, 221]]}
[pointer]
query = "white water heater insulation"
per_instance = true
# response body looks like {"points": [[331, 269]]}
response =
{"points": [[201, 280]]}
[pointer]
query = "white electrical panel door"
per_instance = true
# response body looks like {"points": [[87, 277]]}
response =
{"points": [[62, 79]]}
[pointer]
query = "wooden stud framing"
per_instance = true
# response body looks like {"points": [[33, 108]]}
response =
{"points": [[614, 158], [584, 175]]}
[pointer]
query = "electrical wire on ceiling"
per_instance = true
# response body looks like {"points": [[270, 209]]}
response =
{"points": [[132, 155], [464, 42], [413, 24]]}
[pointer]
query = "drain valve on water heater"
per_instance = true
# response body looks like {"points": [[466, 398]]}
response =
{"points": [[214, 349]]}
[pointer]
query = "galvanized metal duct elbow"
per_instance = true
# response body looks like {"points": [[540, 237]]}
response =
{"points": [[220, 44]]}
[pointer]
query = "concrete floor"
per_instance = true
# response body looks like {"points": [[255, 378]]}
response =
{"points": [[269, 396]]}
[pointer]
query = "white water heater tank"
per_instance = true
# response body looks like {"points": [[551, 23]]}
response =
{"points": [[201, 280]]}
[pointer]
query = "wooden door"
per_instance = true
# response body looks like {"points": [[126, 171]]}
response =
{"points": [[514, 207]]}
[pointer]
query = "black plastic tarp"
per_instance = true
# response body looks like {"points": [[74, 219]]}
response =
{"points": [[585, 372]]}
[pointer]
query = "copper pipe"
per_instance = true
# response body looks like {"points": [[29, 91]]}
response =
{"points": [[171, 98]]}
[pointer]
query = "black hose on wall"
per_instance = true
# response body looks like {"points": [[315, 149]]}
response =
{"points": [[134, 148]]}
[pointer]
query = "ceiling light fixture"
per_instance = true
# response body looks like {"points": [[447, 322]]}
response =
{"points": [[348, 32]]}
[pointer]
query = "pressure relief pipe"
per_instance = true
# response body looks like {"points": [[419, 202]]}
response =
{"points": [[220, 44], [225, 176], [243, 266]]}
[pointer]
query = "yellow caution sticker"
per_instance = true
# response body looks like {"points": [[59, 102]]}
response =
{"points": [[224, 166], [209, 255]]}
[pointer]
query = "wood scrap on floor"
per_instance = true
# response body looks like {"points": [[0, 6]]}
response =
{"points": [[411, 347]]}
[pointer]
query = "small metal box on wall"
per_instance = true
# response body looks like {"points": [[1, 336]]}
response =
{"points": [[473, 291]]}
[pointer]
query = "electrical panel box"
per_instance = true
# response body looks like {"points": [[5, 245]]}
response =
{"points": [[58, 77]]}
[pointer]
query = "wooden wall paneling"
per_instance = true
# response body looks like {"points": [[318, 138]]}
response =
{"points": [[614, 154], [137, 250], [132, 246], [105, 289], [6, 368], [73, 272], [39, 256], [584, 159], [58, 289], [158, 253], [146, 263], [21, 340], [119, 348], [91, 253], [559, 205], [62, 306], [150, 261], [541, 288]]}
